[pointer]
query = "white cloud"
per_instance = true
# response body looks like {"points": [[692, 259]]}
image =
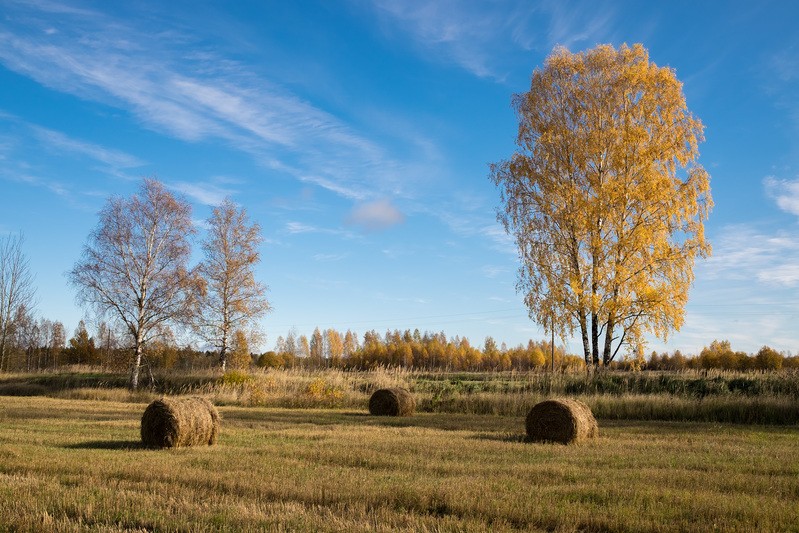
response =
{"points": [[296, 228], [784, 192], [786, 275], [375, 216], [477, 36], [109, 156], [570, 25], [299, 227], [328, 258], [178, 87], [492, 271], [744, 253], [204, 193]]}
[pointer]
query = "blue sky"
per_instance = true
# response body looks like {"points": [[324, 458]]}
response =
{"points": [[358, 135]]}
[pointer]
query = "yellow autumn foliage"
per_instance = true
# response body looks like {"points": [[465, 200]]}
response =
{"points": [[605, 198]]}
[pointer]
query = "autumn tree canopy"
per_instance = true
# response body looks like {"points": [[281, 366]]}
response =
{"points": [[605, 198]]}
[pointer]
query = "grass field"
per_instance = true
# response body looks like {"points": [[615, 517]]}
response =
{"points": [[75, 465]]}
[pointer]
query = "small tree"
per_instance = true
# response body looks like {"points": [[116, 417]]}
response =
{"points": [[17, 291], [81, 349], [350, 344], [768, 359], [240, 357], [316, 349], [335, 347], [134, 265], [234, 300]]}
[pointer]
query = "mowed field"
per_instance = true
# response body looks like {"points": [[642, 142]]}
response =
{"points": [[77, 465]]}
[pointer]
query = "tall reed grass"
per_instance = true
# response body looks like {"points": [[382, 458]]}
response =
{"points": [[747, 398]]}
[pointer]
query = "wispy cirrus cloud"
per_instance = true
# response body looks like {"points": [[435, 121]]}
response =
{"points": [[204, 193], [328, 258], [174, 84], [297, 228], [25, 146], [477, 36], [492, 271], [111, 157], [744, 253]]}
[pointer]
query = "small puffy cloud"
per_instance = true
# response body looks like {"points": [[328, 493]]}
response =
{"points": [[376, 216], [784, 192]]}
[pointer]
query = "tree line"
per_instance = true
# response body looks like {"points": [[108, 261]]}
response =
{"points": [[134, 276], [41, 344]]}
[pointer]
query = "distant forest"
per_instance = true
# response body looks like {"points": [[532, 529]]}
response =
{"points": [[42, 344]]}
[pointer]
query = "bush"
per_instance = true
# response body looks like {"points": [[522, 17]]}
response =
{"points": [[236, 377]]}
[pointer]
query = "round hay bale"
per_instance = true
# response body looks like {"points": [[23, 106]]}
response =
{"points": [[177, 422], [565, 421], [392, 402]]}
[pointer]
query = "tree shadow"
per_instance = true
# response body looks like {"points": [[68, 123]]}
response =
{"points": [[108, 445]]}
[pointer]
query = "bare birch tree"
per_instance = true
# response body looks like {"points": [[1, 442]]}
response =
{"points": [[233, 299], [17, 291], [134, 265]]}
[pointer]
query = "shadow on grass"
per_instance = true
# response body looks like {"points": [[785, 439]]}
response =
{"points": [[108, 445], [20, 388], [501, 437]]}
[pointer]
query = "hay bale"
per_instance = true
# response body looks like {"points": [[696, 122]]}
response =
{"points": [[565, 421], [176, 422], [392, 402]]}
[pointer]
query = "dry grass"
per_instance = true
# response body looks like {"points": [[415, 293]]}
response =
{"points": [[68, 465]]}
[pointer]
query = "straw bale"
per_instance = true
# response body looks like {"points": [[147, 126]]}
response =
{"points": [[177, 422], [392, 402], [564, 420]]}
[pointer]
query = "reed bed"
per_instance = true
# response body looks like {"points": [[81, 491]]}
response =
{"points": [[746, 398]]}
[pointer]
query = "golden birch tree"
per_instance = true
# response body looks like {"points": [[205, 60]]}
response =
{"points": [[317, 348], [233, 299], [605, 198], [134, 266], [334, 345]]}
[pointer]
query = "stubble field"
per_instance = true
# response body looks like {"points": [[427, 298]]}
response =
{"points": [[77, 465]]}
